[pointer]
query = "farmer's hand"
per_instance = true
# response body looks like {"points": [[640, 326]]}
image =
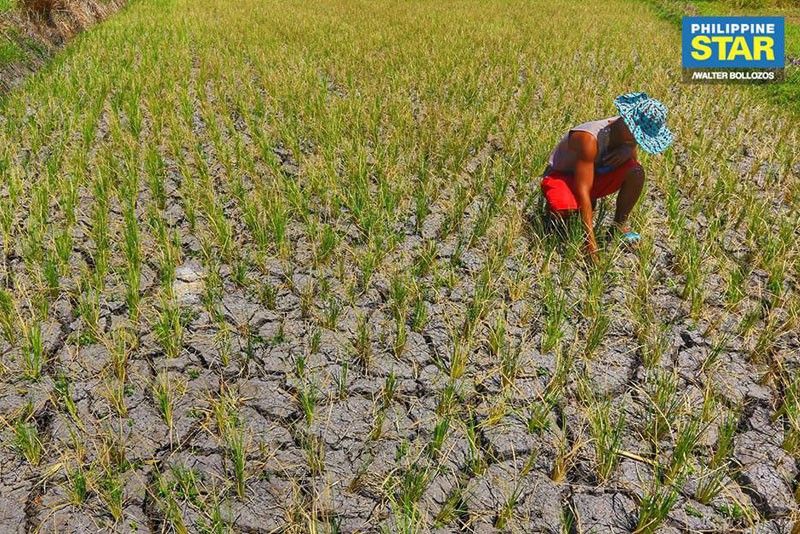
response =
{"points": [[618, 156]]}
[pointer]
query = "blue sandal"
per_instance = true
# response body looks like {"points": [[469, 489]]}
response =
{"points": [[630, 238]]}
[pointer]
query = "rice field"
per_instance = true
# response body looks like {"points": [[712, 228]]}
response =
{"points": [[282, 267]]}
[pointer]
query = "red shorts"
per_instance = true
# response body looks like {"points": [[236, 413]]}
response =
{"points": [[559, 187]]}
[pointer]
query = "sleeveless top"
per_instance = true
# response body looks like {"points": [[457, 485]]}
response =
{"points": [[563, 158]]}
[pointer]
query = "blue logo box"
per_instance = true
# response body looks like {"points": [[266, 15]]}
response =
{"points": [[733, 42]]}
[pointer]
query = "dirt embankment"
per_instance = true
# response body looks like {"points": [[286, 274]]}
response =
{"points": [[33, 30]]}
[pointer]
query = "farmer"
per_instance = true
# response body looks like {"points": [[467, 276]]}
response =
{"points": [[598, 158]]}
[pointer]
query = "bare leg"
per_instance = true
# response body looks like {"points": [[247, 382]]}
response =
{"points": [[628, 196]]}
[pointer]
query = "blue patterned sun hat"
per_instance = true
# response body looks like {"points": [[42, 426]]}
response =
{"points": [[646, 118]]}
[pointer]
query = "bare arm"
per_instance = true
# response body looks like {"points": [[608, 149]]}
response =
{"points": [[585, 145]]}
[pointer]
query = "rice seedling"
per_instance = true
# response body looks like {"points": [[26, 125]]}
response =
{"points": [[663, 405], [170, 508], [790, 411], [27, 441], [363, 344], [166, 390], [78, 486], [686, 440], [714, 473], [606, 437], [655, 506], [33, 354], [169, 329], [8, 317], [61, 387], [314, 449], [506, 512], [237, 445], [307, 398], [565, 455], [555, 312], [112, 493]]}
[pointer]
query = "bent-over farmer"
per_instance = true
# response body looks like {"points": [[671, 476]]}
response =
{"points": [[598, 158]]}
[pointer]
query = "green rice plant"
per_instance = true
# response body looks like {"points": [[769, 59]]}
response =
{"points": [[168, 251], [453, 217], [214, 520], [606, 436], [278, 220], [50, 273], [400, 338], [99, 229], [557, 383], [476, 462], [438, 436], [33, 353], [331, 313], [132, 249], [363, 344], [690, 261], [27, 441], [239, 275], [168, 329], [268, 295], [711, 361], [655, 506], [115, 392], [88, 309], [565, 454], [378, 423], [736, 278], [300, 365], [419, 313], [328, 240], [123, 342], [790, 411], [688, 434], [165, 390], [236, 445], [596, 333], [341, 380], [555, 312], [61, 387], [506, 512], [155, 168], [539, 415], [663, 405], [8, 317], [389, 390], [315, 342], [112, 492], [314, 448], [77, 486], [405, 490], [187, 483], [715, 472], [169, 506], [479, 305], [459, 358], [426, 260], [307, 397], [422, 208], [308, 296], [497, 336]]}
